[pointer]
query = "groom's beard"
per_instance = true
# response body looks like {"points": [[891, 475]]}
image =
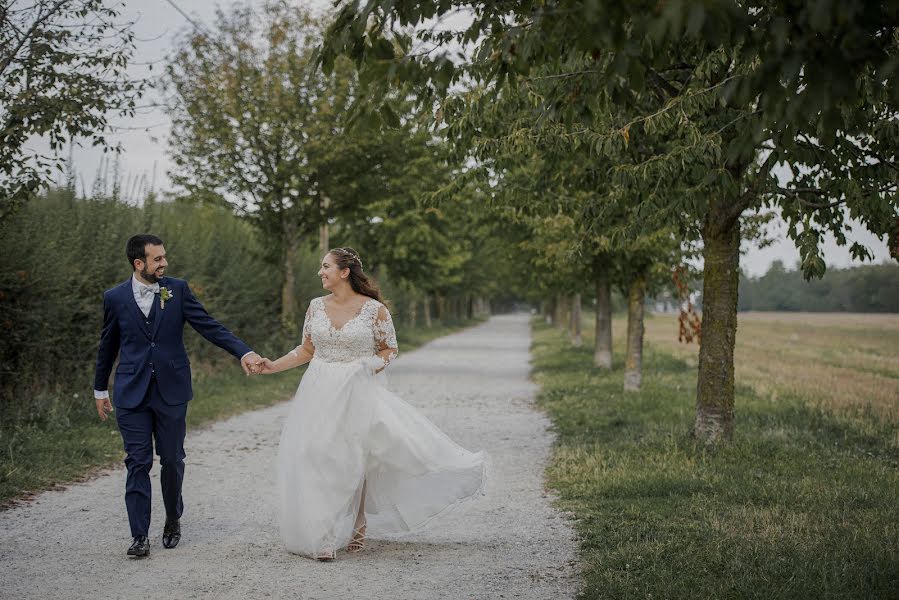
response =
{"points": [[149, 276]]}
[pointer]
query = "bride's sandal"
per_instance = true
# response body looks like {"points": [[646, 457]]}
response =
{"points": [[326, 554], [357, 544]]}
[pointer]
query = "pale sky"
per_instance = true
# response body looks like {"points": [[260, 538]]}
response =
{"points": [[144, 136]]}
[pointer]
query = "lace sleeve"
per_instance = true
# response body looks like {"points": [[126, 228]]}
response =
{"points": [[307, 330], [307, 321], [385, 335]]}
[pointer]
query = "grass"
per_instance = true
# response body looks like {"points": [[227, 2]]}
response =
{"points": [[803, 504], [57, 438]]}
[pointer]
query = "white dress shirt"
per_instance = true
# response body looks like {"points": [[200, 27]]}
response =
{"points": [[145, 303]]}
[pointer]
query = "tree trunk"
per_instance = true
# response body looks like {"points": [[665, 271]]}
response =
{"points": [[633, 363], [288, 288], [413, 312], [426, 305], [576, 338], [721, 271], [602, 352], [559, 318], [441, 307], [323, 233]]}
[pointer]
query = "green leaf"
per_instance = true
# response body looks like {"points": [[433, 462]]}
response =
{"points": [[389, 116], [382, 49], [695, 19]]}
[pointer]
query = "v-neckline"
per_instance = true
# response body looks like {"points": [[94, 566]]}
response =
{"points": [[348, 321]]}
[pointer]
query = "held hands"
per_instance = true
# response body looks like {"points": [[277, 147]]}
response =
{"points": [[248, 363], [253, 364], [263, 366]]}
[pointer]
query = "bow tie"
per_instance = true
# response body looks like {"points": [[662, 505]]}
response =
{"points": [[146, 290]]}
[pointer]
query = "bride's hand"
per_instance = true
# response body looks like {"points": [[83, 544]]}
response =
{"points": [[265, 367], [373, 364]]}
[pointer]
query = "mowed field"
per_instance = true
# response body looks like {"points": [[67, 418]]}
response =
{"points": [[847, 362], [801, 504]]}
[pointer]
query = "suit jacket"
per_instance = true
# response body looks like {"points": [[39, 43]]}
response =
{"points": [[154, 345]]}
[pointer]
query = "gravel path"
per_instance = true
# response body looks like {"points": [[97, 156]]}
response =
{"points": [[510, 544]]}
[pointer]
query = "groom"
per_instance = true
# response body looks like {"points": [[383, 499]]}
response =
{"points": [[143, 323]]}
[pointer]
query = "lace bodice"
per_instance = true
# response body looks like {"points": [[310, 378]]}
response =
{"points": [[369, 332]]}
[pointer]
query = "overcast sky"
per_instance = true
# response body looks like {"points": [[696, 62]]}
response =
{"points": [[144, 136]]}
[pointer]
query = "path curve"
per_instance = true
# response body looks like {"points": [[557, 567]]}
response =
{"points": [[511, 544]]}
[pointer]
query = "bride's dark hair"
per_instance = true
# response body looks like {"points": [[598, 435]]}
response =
{"points": [[347, 258]]}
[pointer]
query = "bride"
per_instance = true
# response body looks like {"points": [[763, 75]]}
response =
{"points": [[352, 454]]}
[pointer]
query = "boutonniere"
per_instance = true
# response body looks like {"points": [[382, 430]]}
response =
{"points": [[164, 294]]}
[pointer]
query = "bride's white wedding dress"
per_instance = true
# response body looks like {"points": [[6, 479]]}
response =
{"points": [[345, 428]]}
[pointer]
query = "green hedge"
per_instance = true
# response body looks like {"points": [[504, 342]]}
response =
{"points": [[59, 254]]}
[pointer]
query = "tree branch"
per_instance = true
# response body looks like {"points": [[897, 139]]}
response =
{"points": [[37, 22], [563, 75], [663, 83], [796, 195]]}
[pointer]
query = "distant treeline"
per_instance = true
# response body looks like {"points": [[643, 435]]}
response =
{"points": [[869, 288]]}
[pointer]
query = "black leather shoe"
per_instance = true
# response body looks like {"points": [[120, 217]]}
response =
{"points": [[171, 533], [140, 546]]}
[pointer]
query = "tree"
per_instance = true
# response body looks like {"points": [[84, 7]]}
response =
{"points": [[731, 90], [868, 288], [645, 268], [62, 74], [421, 249], [254, 126], [592, 231]]}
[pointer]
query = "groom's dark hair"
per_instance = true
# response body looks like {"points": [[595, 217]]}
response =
{"points": [[137, 247]]}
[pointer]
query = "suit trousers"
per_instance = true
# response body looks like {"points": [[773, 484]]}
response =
{"points": [[152, 420]]}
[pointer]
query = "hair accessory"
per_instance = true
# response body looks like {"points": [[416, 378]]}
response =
{"points": [[354, 255]]}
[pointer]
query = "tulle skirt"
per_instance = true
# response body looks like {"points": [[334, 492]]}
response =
{"points": [[345, 429]]}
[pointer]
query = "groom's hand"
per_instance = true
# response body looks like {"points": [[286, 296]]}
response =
{"points": [[248, 363], [104, 407]]}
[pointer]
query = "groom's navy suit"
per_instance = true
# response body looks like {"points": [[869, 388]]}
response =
{"points": [[153, 385]]}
